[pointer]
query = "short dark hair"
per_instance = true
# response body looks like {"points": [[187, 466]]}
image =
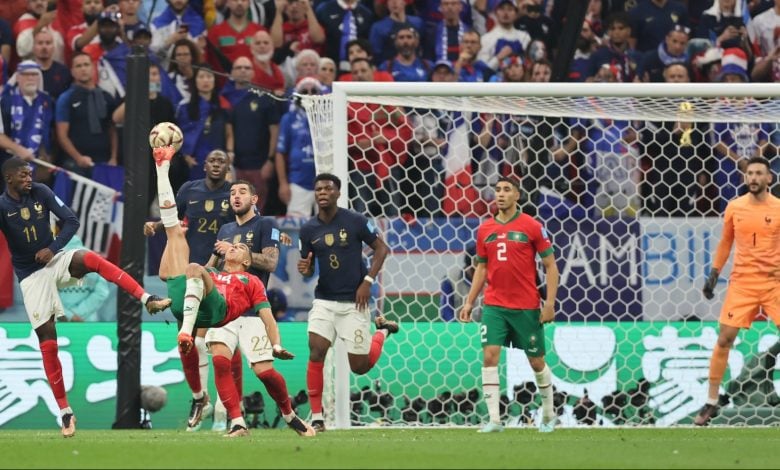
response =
{"points": [[619, 17], [78, 54], [13, 164], [329, 177], [360, 59], [363, 44], [252, 189], [511, 180], [760, 161]]}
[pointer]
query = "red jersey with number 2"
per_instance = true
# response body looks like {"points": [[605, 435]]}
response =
{"points": [[241, 291], [510, 250]]}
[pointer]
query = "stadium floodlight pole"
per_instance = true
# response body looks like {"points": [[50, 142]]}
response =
{"points": [[136, 191]]}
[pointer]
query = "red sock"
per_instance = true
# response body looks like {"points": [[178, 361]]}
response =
{"points": [[226, 387], [314, 382], [237, 369], [53, 368], [377, 341], [112, 273], [191, 365], [277, 388]]}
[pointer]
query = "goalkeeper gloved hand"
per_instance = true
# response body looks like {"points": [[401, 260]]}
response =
{"points": [[709, 285]]}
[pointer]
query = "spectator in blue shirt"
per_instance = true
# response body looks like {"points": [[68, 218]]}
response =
{"points": [[382, 35], [295, 156]]}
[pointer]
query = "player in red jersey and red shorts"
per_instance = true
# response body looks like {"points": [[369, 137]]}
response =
{"points": [[205, 298], [507, 246]]}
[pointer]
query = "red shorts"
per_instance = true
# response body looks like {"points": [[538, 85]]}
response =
{"points": [[743, 304]]}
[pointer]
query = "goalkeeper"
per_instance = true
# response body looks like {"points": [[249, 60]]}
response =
{"points": [[753, 222]]}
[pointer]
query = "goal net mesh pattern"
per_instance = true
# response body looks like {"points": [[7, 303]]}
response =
{"points": [[631, 190]]}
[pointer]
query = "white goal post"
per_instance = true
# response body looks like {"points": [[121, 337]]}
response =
{"points": [[630, 180]]}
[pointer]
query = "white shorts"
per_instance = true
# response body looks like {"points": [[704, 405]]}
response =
{"points": [[301, 202], [40, 290], [331, 319], [246, 333]]}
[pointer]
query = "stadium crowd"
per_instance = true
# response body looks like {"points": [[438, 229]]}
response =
{"points": [[64, 77]]}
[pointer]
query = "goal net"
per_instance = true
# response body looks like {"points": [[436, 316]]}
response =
{"points": [[629, 180]]}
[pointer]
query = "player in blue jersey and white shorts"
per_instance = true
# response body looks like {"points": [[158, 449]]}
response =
{"points": [[334, 240]]}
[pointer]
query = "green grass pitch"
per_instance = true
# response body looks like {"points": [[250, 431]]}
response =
{"points": [[395, 448]]}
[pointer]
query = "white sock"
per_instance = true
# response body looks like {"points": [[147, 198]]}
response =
{"points": [[203, 361], [66, 411], [192, 297], [238, 421], [165, 197], [544, 382], [198, 395], [144, 297], [289, 417], [490, 392], [712, 401], [317, 417]]}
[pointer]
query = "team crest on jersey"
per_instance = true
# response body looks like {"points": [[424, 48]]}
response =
{"points": [[38, 207], [253, 106], [343, 237], [209, 205], [25, 213], [329, 239], [250, 236], [236, 238], [225, 205]]}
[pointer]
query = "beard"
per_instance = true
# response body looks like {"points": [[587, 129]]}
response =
{"points": [[264, 57], [242, 212], [29, 89], [759, 189]]}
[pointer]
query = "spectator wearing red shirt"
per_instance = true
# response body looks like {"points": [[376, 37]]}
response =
{"points": [[300, 30], [230, 39], [33, 20], [376, 139], [84, 33], [268, 75]]}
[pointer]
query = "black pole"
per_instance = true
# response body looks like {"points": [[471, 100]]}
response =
{"points": [[136, 192], [575, 15]]}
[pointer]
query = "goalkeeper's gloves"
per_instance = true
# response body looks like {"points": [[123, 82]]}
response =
{"points": [[709, 285]]}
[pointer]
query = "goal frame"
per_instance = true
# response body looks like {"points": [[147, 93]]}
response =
{"points": [[344, 92]]}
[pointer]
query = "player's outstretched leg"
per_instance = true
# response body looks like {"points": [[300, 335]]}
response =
{"points": [[229, 396], [85, 261], [200, 398], [384, 328], [47, 341], [198, 282], [277, 389]]}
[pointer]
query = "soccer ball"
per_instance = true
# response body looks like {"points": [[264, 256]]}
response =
{"points": [[166, 134]]}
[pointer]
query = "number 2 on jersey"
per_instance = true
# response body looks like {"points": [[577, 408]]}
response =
{"points": [[501, 251]]}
